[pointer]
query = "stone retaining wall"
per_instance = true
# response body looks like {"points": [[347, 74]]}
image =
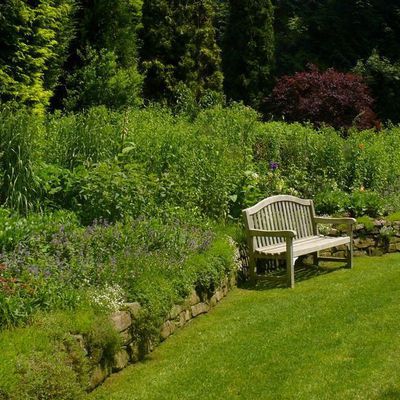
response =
{"points": [[135, 344], [375, 240]]}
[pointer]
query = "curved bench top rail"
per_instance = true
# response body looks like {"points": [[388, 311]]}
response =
{"points": [[275, 199]]}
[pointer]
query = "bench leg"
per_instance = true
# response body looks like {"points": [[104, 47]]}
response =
{"points": [[252, 268], [350, 255], [315, 259], [290, 260]]}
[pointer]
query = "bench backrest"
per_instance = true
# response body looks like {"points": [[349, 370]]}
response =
{"points": [[281, 213]]}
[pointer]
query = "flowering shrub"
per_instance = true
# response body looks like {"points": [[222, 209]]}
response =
{"points": [[337, 99]]}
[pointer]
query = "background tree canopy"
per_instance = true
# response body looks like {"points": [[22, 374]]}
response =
{"points": [[73, 54]]}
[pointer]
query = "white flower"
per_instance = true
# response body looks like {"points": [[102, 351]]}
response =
{"points": [[111, 297]]}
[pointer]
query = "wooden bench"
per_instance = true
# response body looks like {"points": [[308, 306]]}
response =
{"points": [[286, 227]]}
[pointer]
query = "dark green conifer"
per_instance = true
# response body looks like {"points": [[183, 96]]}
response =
{"points": [[179, 49], [249, 51]]}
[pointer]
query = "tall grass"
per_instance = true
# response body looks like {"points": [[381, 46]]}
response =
{"points": [[19, 132]]}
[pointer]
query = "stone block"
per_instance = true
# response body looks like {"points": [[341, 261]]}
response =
{"points": [[120, 360], [219, 294], [134, 352], [184, 317], [364, 243], [359, 227], [175, 311], [98, 375], [307, 260], [339, 254], [167, 328], [193, 298], [121, 320], [199, 308], [379, 222], [213, 301], [325, 253], [359, 253], [126, 336], [375, 251], [232, 281]]}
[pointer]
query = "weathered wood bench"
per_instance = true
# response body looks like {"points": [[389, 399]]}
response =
{"points": [[286, 227]]}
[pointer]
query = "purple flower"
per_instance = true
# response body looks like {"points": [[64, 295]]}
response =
{"points": [[273, 165]]}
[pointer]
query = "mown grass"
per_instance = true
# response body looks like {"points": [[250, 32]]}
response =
{"points": [[335, 336]]}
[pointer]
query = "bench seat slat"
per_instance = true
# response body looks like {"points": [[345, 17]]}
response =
{"points": [[305, 245]]}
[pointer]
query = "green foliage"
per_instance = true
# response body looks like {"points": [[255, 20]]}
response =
{"points": [[248, 56], [333, 33], [393, 217], [383, 77], [111, 25], [179, 50], [366, 203], [46, 376], [19, 131], [368, 222], [87, 137], [35, 38], [102, 81], [50, 262], [357, 204], [331, 202], [44, 360], [102, 67], [15, 230], [111, 191]]}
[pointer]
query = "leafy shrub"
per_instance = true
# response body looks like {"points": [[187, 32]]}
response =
{"points": [[110, 191], [102, 81], [366, 203], [383, 77], [331, 202], [15, 230], [337, 99], [371, 165]]}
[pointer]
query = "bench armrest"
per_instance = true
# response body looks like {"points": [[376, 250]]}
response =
{"points": [[265, 233], [330, 220]]}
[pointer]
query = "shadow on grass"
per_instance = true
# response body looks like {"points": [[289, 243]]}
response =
{"points": [[277, 279], [389, 394]]}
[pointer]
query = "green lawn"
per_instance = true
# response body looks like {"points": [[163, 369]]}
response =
{"points": [[335, 336]]}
